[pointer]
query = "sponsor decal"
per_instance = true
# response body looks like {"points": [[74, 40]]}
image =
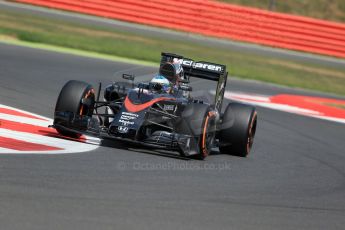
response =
{"points": [[130, 114], [169, 107], [200, 65], [186, 62], [126, 123], [22, 132], [127, 118], [122, 129]]}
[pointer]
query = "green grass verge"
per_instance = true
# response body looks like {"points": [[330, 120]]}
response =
{"points": [[108, 42]]}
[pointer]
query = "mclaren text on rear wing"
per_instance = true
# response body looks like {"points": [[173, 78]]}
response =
{"points": [[201, 69]]}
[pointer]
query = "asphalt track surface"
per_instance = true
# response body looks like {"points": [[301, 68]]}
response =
{"points": [[293, 179]]}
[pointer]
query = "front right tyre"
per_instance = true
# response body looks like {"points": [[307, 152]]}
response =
{"points": [[199, 120]]}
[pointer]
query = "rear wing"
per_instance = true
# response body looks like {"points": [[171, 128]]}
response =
{"points": [[201, 69]]}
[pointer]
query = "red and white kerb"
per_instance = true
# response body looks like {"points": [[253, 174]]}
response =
{"points": [[23, 132], [317, 107]]}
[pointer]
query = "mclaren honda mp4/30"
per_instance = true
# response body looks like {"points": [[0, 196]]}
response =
{"points": [[143, 113]]}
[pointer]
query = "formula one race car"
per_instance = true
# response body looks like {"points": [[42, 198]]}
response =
{"points": [[150, 116]]}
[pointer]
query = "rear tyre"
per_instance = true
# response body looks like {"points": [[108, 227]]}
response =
{"points": [[200, 119], [70, 100], [238, 129]]}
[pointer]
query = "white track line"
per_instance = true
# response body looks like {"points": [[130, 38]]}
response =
{"points": [[26, 120], [25, 112], [67, 145]]}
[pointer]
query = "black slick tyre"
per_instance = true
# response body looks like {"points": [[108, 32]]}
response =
{"points": [[70, 100], [238, 129], [200, 119]]}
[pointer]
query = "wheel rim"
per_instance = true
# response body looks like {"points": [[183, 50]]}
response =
{"points": [[251, 133], [207, 136], [90, 93]]}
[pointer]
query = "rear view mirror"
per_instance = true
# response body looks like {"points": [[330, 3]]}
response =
{"points": [[128, 77], [186, 88]]}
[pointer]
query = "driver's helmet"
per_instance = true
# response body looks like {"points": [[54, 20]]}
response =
{"points": [[162, 81], [172, 71]]}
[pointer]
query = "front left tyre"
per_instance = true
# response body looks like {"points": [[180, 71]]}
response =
{"points": [[77, 98]]}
